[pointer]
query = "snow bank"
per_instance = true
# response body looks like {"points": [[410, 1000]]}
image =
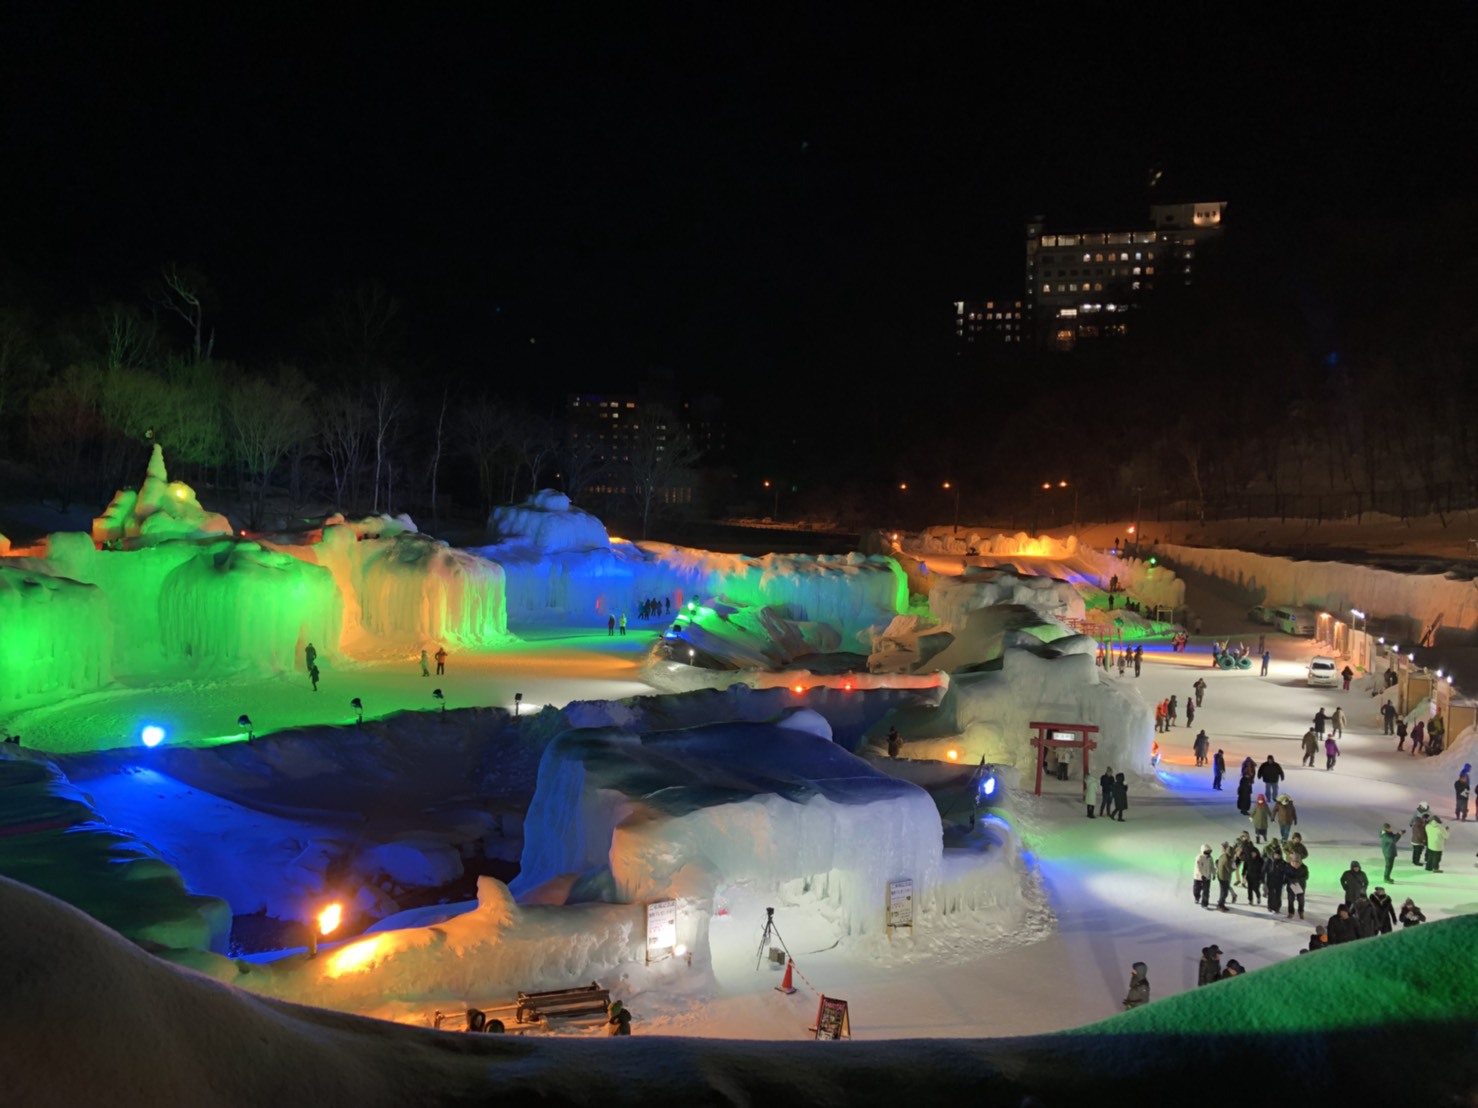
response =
{"points": [[547, 523], [733, 802]]}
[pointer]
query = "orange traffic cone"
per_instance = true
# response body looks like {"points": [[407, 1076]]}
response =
{"points": [[785, 986]]}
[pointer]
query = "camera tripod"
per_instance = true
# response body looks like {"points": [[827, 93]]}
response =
{"points": [[770, 930]]}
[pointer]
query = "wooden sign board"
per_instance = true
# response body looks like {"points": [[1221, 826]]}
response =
{"points": [[832, 1020], [900, 904], [661, 929]]}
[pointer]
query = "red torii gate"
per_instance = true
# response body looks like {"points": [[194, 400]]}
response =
{"points": [[1081, 732]]}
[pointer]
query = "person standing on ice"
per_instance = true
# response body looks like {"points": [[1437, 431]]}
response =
{"points": [[1272, 873], [1331, 752], [1139, 986], [611, 626], [1461, 788], [1419, 832], [622, 625], [1200, 687], [1363, 913], [1320, 719], [1338, 722], [1210, 968], [1400, 734], [1341, 928], [1218, 770], [1285, 815], [1090, 795], [1106, 791], [1354, 882], [895, 742], [1270, 773], [440, 660], [1385, 911], [1225, 869], [313, 676], [1348, 674], [1252, 873], [1138, 659], [1244, 793], [1311, 747], [1437, 833], [425, 665], [1200, 746], [1174, 711], [1388, 841], [1190, 711], [1388, 717], [1121, 797], [1204, 872], [1266, 658], [1259, 818], [1418, 736], [1295, 881], [310, 655]]}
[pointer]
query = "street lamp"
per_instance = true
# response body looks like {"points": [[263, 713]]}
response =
{"points": [[775, 514], [948, 487]]}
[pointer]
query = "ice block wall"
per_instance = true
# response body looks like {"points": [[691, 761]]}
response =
{"points": [[55, 635]]}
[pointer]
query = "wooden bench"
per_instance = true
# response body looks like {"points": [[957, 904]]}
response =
{"points": [[582, 1000]]}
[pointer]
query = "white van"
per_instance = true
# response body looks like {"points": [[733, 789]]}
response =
{"points": [[1293, 621], [1323, 673]]}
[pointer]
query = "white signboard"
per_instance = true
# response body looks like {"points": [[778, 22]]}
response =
{"points": [[661, 929], [900, 902]]}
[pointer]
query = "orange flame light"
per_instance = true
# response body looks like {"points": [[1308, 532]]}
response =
{"points": [[954, 755], [329, 918]]}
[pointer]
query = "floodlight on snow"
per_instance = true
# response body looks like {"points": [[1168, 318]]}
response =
{"points": [[798, 689], [691, 653], [989, 787], [358, 706], [1439, 672], [953, 755], [244, 720], [846, 686], [152, 735], [1411, 657], [1449, 678]]}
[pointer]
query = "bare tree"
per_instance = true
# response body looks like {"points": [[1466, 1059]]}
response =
{"points": [[436, 460], [535, 446], [129, 340], [20, 356], [184, 292], [267, 417], [661, 454], [344, 434], [386, 405], [582, 460], [360, 328], [483, 433]]}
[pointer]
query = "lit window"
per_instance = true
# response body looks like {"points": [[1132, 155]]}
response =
{"points": [[1085, 286], [1138, 257], [1046, 288], [1134, 285], [1097, 287], [1087, 257], [1136, 271], [1149, 271], [1098, 257]]}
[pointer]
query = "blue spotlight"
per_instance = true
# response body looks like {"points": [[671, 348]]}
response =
{"points": [[152, 735]]}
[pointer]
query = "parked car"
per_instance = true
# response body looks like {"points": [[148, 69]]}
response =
{"points": [[1294, 621], [1323, 673], [1260, 613]]}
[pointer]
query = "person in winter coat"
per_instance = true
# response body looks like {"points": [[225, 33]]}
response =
{"points": [[1139, 986], [1244, 793], [440, 657], [1200, 689], [1225, 868], [1201, 746], [1434, 735], [1311, 747], [1218, 770], [1400, 734], [1320, 719], [1354, 882], [1121, 797], [1331, 752], [1461, 788], [310, 655], [1388, 841], [1419, 823], [1437, 833], [1204, 871], [895, 742], [1270, 773], [1411, 915], [1252, 868], [1363, 913], [1106, 791], [425, 665], [1341, 927], [1285, 816], [1338, 722], [1267, 658], [1090, 796], [1190, 712], [1210, 968], [1319, 940], [1295, 881], [1385, 911], [1272, 873], [1388, 717], [1138, 659], [1172, 710], [1249, 767], [1260, 816], [1418, 737], [619, 1020], [1294, 848], [1234, 969], [1348, 674]]}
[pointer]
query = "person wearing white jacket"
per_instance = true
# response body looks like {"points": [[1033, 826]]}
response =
{"points": [[1090, 796], [1205, 874], [1437, 833]]}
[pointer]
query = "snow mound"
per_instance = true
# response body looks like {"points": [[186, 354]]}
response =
{"points": [[952, 599], [158, 509], [548, 523], [768, 803]]}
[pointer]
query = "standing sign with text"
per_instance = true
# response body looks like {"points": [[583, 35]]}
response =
{"points": [[900, 903], [832, 1019], [661, 929]]}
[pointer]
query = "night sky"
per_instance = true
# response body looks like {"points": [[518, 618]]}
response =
{"points": [[707, 190]]}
